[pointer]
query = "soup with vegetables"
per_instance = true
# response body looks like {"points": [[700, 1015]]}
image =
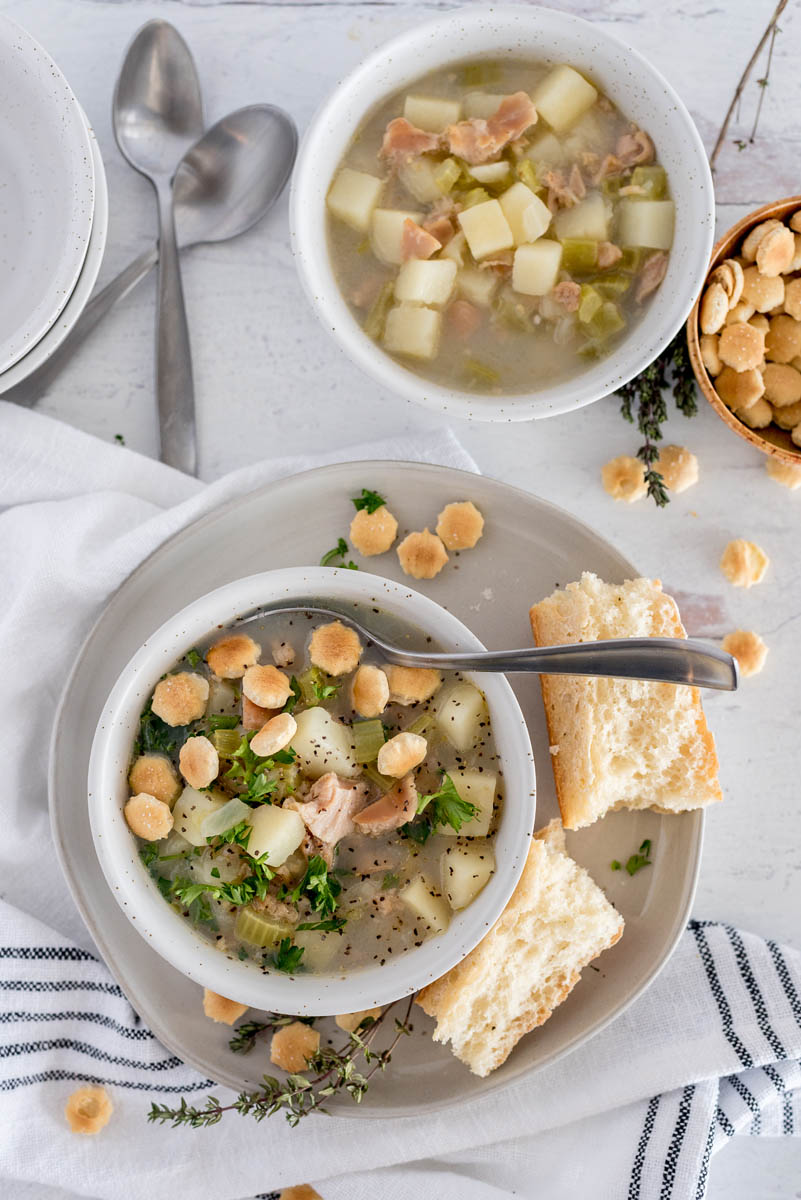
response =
{"points": [[308, 808], [499, 225]]}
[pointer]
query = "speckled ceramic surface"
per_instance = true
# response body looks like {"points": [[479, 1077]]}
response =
{"points": [[635, 86], [528, 548], [48, 192], [80, 294]]}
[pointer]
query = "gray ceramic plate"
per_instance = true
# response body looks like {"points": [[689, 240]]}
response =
{"points": [[528, 548]]}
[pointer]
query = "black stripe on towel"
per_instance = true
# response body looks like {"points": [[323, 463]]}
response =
{"points": [[724, 1123], [696, 928], [788, 1124], [60, 985], [783, 971], [14, 1051], [676, 1142], [642, 1146], [749, 1101], [10, 1085], [48, 953], [756, 995], [139, 1035], [703, 1171]]}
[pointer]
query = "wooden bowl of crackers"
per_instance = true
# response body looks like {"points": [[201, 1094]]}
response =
{"points": [[744, 332]]}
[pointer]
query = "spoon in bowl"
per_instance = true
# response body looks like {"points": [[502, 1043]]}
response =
{"points": [[157, 114], [224, 185], [662, 660]]}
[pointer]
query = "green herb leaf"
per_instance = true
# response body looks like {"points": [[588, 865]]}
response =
{"points": [[447, 806], [296, 695], [369, 500], [222, 721], [636, 862], [156, 736], [389, 881], [287, 957], [193, 657], [615, 864], [149, 853], [326, 926], [320, 888], [339, 551], [417, 831]]}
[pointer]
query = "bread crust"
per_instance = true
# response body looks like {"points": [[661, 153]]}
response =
{"points": [[564, 618]]}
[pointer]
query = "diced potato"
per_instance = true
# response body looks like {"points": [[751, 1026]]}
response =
{"points": [[587, 134], [563, 96], [646, 223], [477, 787], [536, 267], [456, 249], [486, 229], [190, 811], [276, 832], [528, 217], [546, 148], [464, 871], [424, 900], [318, 948], [482, 104], [414, 330], [478, 287], [587, 219], [386, 233], [353, 196], [417, 176], [490, 172], [323, 744], [460, 713], [426, 281], [431, 113]]}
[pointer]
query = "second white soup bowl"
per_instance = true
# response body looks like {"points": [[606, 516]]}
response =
{"points": [[169, 933]]}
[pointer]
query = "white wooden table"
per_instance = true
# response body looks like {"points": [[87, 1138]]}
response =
{"points": [[266, 375]]}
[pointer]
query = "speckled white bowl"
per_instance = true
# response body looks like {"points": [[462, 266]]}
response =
{"points": [[167, 932], [509, 32]]}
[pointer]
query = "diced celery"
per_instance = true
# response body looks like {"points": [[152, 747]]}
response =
{"points": [[479, 74], [476, 371], [511, 313], [590, 302], [424, 725], [607, 321], [579, 255], [376, 318], [615, 284], [260, 930], [313, 683], [592, 348], [652, 179], [477, 195], [527, 173], [368, 738], [447, 174], [612, 185], [384, 782], [225, 818], [226, 741], [631, 260]]}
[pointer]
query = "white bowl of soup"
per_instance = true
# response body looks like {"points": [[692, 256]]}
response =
{"points": [[503, 214], [291, 822]]}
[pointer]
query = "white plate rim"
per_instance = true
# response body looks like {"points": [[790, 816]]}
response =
{"points": [[132, 990], [17, 344], [77, 301]]}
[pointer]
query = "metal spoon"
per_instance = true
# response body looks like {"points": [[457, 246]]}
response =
{"points": [[663, 660], [224, 184], [157, 114]]}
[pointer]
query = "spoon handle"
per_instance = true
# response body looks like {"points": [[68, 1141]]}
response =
{"points": [[175, 392], [36, 384], [664, 660]]}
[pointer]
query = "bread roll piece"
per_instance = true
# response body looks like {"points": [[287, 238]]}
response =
{"points": [[621, 743], [556, 922]]}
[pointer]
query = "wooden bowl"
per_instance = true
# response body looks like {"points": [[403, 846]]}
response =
{"points": [[772, 440]]}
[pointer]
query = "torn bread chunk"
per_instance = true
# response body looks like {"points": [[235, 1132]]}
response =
{"points": [[557, 921], [621, 743]]}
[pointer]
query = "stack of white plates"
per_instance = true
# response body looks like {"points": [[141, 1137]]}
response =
{"points": [[53, 206]]}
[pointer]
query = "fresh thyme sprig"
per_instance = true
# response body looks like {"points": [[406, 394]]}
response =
{"points": [[246, 1035], [331, 1072], [647, 393]]}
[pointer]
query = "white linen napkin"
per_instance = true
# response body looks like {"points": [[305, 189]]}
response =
{"points": [[711, 1050]]}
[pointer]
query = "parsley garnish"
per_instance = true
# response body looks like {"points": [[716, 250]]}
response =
{"points": [[157, 736], [287, 957], [255, 886], [636, 861], [251, 771], [119, 438], [320, 888], [369, 500], [323, 691], [237, 835], [297, 692], [447, 806], [417, 831], [390, 880], [149, 853], [193, 657], [330, 924], [339, 551], [223, 721]]}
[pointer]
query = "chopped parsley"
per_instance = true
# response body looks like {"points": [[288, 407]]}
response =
{"points": [[193, 657], [369, 500], [287, 957], [252, 771], [417, 831], [390, 880], [119, 439], [637, 861], [324, 691], [320, 888], [447, 806], [149, 853], [297, 693], [156, 736], [326, 926], [254, 887], [339, 551], [222, 721], [237, 835]]}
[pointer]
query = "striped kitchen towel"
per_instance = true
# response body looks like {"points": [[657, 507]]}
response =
{"points": [[712, 1050]]}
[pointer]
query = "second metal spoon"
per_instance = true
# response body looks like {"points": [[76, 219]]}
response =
{"points": [[662, 660], [225, 183]]}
